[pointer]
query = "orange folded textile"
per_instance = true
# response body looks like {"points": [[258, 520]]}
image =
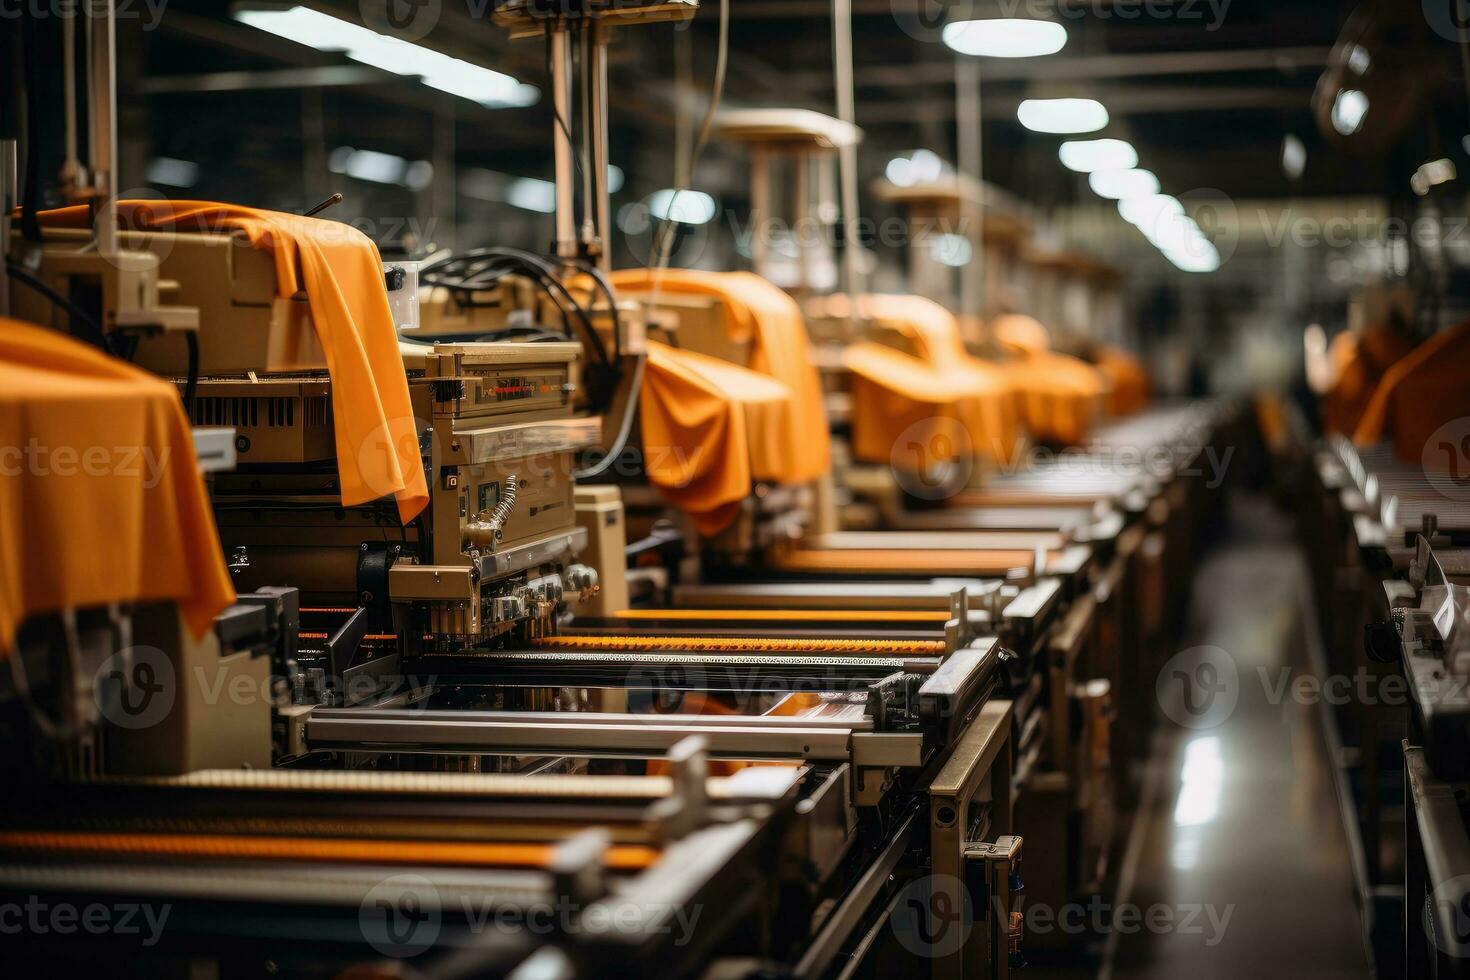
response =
{"points": [[341, 272], [1127, 377], [763, 315], [1420, 393], [987, 404], [708, 430], [101, 499], [1020, 333], [896, 399], [1359, 363], [1062, 395]]}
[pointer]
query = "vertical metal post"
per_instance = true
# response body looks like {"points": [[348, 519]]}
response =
{"points": [[561, 99], [847, 162], [801, 211], [9, 198], [969, 135], [596, 129], [760, 206], [102, 111]]}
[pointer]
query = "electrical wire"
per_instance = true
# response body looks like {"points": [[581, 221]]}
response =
{"points": [[625, 427], [97, 338], [664, 240], [481, 269]]}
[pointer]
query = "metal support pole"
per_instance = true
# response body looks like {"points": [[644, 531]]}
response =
{"points": [[760, 206], [847, 112], [561, 100], [102, 111], [596, 125], [969, 135], [9, 199]]}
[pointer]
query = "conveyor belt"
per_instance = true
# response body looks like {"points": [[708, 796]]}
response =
{"points": [[331, 849], [740, 644]]}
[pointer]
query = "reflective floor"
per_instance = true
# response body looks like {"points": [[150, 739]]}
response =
{"points": [[1237, 864]]}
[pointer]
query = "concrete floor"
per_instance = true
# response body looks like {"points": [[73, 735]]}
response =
{"points": [[1237, 853]]}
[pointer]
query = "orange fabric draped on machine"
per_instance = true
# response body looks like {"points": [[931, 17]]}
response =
{"points": [[341, 272], [711, 427], [101, 499], [1418, 395], [1062, 396], [1127, 379], [1359, 364], [974, 391]]}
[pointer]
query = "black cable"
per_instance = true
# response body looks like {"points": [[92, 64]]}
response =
{"points": [[97, 338], [482, 274], [34, 44]]}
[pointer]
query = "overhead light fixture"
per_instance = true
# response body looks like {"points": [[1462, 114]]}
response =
{"points": [[1062, 115], [490, 88], [1348, 110], [531, 194], [1293, 156], [1005, 37], [919, 167], [380, 168], [1119, 185], [1085, 156], [1142, 212], [685, 207], [953, 250], [172, 171], [1203, 258]]}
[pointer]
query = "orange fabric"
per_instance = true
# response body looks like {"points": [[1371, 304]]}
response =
{"points": [[1359, 364], [240, 847], [897, 401], [987, 403], [1127, 379], [1022, 334], [1420, 393], [1062, 395], [101, 499], [763, 315], [709, 430], [341, 273]]}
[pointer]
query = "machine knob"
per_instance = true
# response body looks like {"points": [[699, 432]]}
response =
{"points": [[581, 578]]}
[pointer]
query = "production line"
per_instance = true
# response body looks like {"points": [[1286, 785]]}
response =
{"points": [[728, 722]]}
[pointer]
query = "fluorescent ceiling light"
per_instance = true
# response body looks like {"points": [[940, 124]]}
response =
{"points": [[1085, 156], [1119, 185], [1293, 156], [1062, 115], [953, 250], [920, 167], [1005, 37], [1202, 259], [531, 194], [435, 69], [173, 172], [686, 207], [1144, 211], [1348, 110]]}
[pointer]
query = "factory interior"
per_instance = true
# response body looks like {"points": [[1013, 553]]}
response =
{"points": [[735, 489]]}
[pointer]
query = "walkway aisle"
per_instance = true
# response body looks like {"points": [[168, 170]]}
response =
{"points": [[1242, 832]]}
